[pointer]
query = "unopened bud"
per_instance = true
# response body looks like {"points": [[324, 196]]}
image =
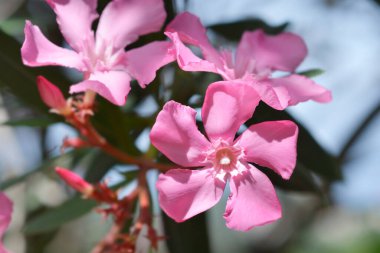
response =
{"points": [[52, 96], [75, 181]]}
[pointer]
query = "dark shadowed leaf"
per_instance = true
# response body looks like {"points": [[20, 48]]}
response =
{"points": [[234, 30], [98, 166], [189, 236], [21, 80]]}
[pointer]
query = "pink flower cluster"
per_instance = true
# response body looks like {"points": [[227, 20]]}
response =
{"points": [[207, 163]]}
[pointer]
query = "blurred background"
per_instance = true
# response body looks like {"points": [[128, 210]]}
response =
{"points": [[341, 216]]}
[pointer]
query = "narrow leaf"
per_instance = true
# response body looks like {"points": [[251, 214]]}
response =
{"points": [[311, 72], [56, 217]]}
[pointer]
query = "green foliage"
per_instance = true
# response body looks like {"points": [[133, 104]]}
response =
{"points": [[311, 73], [234, 30], [56, 217]]}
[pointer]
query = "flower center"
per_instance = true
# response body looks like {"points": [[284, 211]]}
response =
{"points": [[99, 55], [224, 158]]}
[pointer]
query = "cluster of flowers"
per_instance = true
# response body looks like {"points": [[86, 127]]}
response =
{"points": [[184, 190]]}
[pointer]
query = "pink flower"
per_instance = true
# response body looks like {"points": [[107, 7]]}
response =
{"points": [[6, 208], [184, 193], [256, 57], [107, 68]]}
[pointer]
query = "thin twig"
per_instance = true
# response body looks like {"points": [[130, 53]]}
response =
{"points": [[358, 133]]}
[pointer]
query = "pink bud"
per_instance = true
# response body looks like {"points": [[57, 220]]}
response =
{"points": [[75, 181], [51, 95], [6, 209]]}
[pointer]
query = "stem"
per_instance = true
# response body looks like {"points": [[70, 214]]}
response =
{"points": [[358, 133], [110, 238], [95, 139]]}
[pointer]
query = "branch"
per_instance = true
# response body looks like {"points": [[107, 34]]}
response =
{"points": [[358, 133]]}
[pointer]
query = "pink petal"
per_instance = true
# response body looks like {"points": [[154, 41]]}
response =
{"points": [[271, 144], [299, 89], [185, 193], [50, 94], [281, 52], [275, 98], [143, 62], [227, 105], [187, 60], [112, 85], [252, 201], [6, 208], [176, 135], [74, 18], [38, 51], [191, 31], [123, 21]]}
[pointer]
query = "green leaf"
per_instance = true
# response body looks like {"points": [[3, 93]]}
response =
{"points": [[35, 122], [189, 236], [115, 126], [311, 72], [21, 80], [56, 217], [233, 31], [98, 166]]}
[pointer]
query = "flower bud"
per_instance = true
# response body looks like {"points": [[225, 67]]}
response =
{"points": [[75, 181], [52, 96]]}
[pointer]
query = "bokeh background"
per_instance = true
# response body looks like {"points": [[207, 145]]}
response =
{"points": [[343, 38]]}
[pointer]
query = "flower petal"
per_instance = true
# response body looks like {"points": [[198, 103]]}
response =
{"points": [[281, 52], [6, 208], [176, 135], [39, 51], [252, 201], [123, 21], [191, 31], [227, 105], [299, 89], [185, 193], [74, 18], [271, 144], [275, 98], [112, 85], [143, 62], [187, 60]]}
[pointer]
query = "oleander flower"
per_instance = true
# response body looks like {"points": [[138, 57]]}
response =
{"points": [[212, 160], [107, 68], [6, 208], [257, 56]]}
